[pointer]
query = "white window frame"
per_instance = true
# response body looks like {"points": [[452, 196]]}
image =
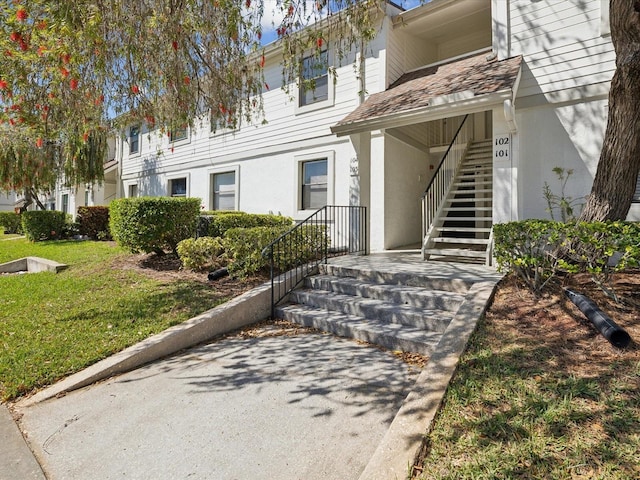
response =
{"points": [[138, 151], [180, 141], [177, 176], [64, 206], [605, 26], [226, 169], [331, 89], [298, 181], [127, 187]]}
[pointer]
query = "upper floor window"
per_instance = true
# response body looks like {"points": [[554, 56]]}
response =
{"points": [[314, 84], [134, 139], [177, 134]]}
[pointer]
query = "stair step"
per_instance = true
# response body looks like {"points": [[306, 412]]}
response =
{"points": [[466, 241], [434, 282], [433, 320], [401, 294], [476, 169], [468, 219], [469, 200], [463, 209], [464, 229], [389, 335], [472, 182], [455, 252], [472, 191]]}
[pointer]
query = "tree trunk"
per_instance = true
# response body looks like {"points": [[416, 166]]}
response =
{"points": [[615, 181]]}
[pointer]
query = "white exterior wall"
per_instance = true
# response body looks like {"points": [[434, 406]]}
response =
{"points": [[561, 103], [7, 201], [265, 157], [406, 174]]}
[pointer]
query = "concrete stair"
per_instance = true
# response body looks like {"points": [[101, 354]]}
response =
{"points": [[394, 310], [462, 230]]}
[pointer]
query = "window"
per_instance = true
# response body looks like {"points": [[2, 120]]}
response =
{"points": [[314, 84], [134, 139], [133, 190], [636, 196], [314, 184], [65, 203], [86, 196], [177, 134], [224, 190], [178, 187]]}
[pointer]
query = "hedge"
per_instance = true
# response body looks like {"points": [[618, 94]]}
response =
{"points": [[40, 225], [11, 222], [94, 222], [218, 223], [536, 250], [244, 247], [153, 224]]}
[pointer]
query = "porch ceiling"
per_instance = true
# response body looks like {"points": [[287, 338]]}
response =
{"points": [[436, 91]]}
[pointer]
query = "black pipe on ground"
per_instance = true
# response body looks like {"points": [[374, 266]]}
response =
{"points": [[215, 275], [609, 329]]}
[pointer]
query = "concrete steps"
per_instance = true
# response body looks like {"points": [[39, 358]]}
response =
{"points": [[397, 311]]}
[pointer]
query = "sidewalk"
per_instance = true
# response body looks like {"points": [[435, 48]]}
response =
{"points": [[309, 406]]}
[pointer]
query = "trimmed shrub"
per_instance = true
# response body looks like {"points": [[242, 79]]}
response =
{"points": [[536, 250], [244, 246], [11, 222], [40, 225], [219, 223], [153, 224], [94, 222], [201, 253]]}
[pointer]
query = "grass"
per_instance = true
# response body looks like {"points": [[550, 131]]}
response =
{"points": [[52, 325], [518, 408]]}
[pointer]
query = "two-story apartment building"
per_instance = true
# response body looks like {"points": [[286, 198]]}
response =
{"points": [[531, 78]]}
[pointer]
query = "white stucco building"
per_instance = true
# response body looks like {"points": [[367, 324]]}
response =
{"points": [[531, 77]]}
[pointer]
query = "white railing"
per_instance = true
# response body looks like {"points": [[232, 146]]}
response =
{"points": [[440, 183]]}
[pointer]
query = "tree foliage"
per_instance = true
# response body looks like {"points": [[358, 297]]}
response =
{"points": [[71, 70]]}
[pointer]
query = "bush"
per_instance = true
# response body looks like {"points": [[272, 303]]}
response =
{"points": [[244, 246], [11, 222], [153, 224], [40, 225], [93, 222], [201, 253], [536, 250], [220, 222]]}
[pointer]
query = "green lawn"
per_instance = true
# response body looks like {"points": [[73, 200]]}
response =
{"points": [[52, 325]]}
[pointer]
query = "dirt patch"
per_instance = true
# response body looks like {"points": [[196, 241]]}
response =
{"points": [[572, 342], [168, 268]]}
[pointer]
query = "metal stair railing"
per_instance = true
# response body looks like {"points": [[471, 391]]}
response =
{"points": [[329, 232], [440, 184]]}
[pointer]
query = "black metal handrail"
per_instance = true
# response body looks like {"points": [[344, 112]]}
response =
{"points": [[329, 232]]}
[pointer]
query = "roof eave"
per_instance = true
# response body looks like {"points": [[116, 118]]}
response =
{"points": [[425, 114]]}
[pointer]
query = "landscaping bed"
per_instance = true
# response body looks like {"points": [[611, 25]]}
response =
{"points": [[540, 393]]}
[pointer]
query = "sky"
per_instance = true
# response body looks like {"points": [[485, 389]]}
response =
{"points": [[271, 16]]}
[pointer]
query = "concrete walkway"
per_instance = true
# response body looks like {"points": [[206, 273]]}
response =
{"points": [[309, 406], [302, 406]]}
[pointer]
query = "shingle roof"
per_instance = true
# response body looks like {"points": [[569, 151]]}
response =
{"points": [[419, 88]]}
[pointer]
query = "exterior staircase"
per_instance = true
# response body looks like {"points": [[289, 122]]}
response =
{"points": [[404, 311], [461, 230]]}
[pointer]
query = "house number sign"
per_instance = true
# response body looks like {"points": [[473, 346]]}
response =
{"points": [[502, 147], [353, 166]]}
